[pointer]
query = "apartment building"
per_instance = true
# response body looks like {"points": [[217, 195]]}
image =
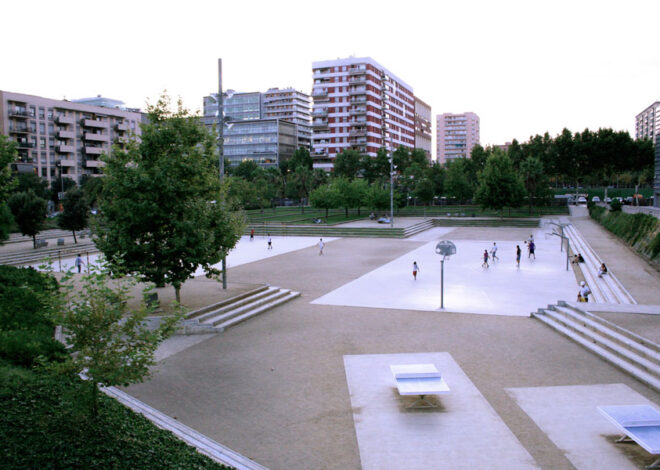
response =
{"points": [[263, 127], [63, 137], [456, 134], [423, 132], [647, 123], [290, 105], [359, 104]]}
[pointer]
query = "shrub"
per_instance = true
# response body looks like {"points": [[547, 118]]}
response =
{"points": [[641, 231], [615, 205], [26, 331]]}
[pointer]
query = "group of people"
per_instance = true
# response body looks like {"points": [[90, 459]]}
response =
{"points": [[531, 252]]}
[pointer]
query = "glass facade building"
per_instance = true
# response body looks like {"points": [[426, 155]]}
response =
{"points": [[264, 141]]}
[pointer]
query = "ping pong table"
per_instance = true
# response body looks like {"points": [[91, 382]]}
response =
{"points": [[419, 379], [639, 423]]}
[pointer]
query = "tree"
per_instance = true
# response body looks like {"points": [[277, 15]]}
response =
{"points": [[347, 164], [56, 188], [499, 185], [32, 181], [424, 191], [74, 212], [401, 158], [534, 179], [247, 169], [352, 192], [457, 182], [8, 155], [325, 197], [164, 212], [301, 158], [377, 198], [92, 188], [113, 344], [29, 213]]}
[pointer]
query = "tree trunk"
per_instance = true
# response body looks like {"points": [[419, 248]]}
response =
{"points": [[326, 213], [95, 398], [177, 293], [75, 240], [34, 241]]}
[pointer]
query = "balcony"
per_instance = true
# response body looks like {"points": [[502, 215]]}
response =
{"points": [[94, 123], [320, 124], [121, 140], [357, 90], [66, 135], [65, 148], [358, 141], [358, 80], [18, 129], [360, 148], [320, 95], [357, 70], [64, 120], [357, 132], [358, 122], [93, 150], [19, 113], [320, 113], [94, 164], [121, 127], [358, 99], [95, 137], [68, 163], [358, 111]]}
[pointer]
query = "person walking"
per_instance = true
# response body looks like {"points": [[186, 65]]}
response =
{"points": [[79, 262], [415, 270], [252, 235], [270, 242], [485, 263], [493, 252], [321, 245], [518, 251]]}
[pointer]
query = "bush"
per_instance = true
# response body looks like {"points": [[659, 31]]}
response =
{"points": [[26, 332], [641, 231], [615, 205], [44, 425]]}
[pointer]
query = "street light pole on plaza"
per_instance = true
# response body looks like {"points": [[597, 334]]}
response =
{"points": [[391, 185], [220, 118]]}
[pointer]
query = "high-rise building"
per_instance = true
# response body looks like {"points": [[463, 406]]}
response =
{"points": [[456, 134], [423, 132], [360, 105], [263, 127], [63, 137], [647, 123], [291, 105]]}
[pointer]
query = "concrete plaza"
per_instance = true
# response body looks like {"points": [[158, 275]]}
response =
{"points": [[279, 389]]}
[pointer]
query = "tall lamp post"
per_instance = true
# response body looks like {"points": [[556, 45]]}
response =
{"points": [[220, 123], [444, 248]]}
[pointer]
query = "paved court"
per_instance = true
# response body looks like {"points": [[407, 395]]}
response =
{"points": [[278, 390]]}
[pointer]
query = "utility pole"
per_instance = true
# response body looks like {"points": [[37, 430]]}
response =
{"points": [[220, 122]]}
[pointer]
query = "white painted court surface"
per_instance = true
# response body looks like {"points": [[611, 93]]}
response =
{"points": [[570, 418], [246, 251], [501, 289], [464, 432]]}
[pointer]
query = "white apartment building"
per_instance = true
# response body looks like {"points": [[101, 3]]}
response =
{"points": [[423, 132], [647, 123], [456, 134], [360, 105], [290, 105]]}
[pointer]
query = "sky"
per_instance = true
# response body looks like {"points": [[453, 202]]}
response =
{"points": [[525, 67]]}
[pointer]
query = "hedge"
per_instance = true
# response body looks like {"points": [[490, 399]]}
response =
{"points": [[640, 231]]}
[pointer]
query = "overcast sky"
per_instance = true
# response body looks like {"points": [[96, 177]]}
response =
{"points": [[525, 67]]}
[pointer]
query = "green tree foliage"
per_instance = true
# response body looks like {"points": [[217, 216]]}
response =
{"points": [[300, 158], [436, 174], [457, 180], [56, 187], [326, 197], [535, 180], [74, 212], [29, 212], [424, 190], [347, 164], [499, 184], [111, 343], [402, 159], [8, 155], [92, 188], [247, 169], [418, 157], [377, 198], [352, 192], [26, 328], [27, 181], [163, 209]]}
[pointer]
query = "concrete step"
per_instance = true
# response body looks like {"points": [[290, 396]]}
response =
{"points": [[262, 308], [227, 302], [608, 340], [202, 443], [225, 314], [607, 349]]}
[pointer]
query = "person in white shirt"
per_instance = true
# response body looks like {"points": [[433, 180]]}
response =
{"points": [[321, 245], [415, 269]]}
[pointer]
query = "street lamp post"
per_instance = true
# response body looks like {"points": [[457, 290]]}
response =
{"points": [[444, 248], [220, 125]]}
